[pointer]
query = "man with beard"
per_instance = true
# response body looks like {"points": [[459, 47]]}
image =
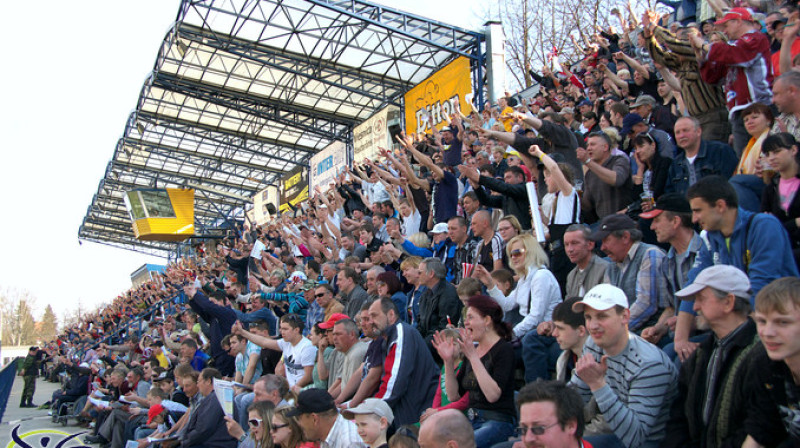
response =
{"points": [[410, 375]]}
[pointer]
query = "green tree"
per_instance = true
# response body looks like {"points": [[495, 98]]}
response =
{"points": [[19, 326], [48, 327]]}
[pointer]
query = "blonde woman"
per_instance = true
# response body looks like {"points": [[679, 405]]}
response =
{"points": [[529, 304]]}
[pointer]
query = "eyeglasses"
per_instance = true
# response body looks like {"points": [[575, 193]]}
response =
{"points": [[254, 422], [322, 294], [536, 430], [517, 252], [277, 427]]}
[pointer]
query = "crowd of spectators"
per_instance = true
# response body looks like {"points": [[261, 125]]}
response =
{"points": [[658, 304]]}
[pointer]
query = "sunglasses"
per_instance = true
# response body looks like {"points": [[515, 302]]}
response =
{"points": [[536, 430], [319, 295], [254, 422], [517, 252], [277, 427]]}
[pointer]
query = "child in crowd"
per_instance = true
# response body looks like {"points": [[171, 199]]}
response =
{"points": [[373, 418]]}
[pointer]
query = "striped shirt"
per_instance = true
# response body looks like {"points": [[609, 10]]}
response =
{"points": [[677, 55], [641, 383]]}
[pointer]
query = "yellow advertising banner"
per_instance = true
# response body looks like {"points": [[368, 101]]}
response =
{"points": [[435, 97]]}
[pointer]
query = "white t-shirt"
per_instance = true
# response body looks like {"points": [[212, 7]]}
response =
{"points": [[296, 357], [411, 224]]}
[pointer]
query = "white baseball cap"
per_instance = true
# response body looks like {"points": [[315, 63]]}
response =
{"points": [[602, 297]]}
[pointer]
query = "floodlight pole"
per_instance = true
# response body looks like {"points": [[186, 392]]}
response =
{"points": [[495, 60]]}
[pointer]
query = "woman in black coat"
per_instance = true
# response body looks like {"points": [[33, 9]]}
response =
{"points": [[780, 196]]}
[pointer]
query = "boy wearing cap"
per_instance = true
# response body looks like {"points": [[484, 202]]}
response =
{"points": [[712, 404], [631, 380], [373, 418]]}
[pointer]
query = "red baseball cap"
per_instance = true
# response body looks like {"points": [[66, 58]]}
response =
{"points": [[735, 14], [336, 317]]}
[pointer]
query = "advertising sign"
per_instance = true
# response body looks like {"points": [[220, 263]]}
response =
{"points": [[435, 97], [326, 165], [294, 188], [371, 134], [269, 195]]}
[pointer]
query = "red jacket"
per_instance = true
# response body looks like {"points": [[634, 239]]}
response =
{"points": [[746, 66]]}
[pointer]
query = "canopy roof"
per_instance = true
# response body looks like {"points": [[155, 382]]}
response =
{"points": [[244, 91]]}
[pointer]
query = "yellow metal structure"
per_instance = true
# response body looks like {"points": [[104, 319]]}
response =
{"points": [[161, 214]]}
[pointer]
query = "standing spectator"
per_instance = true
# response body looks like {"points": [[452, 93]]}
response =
{"points": [[607, 188], [352, 294], [220, 319], [513, 198], [489, 250], [29, 372], [632, 381], [744, 63]]}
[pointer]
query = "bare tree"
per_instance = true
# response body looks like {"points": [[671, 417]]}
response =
{"points": [[16, 309], [534, 28]]}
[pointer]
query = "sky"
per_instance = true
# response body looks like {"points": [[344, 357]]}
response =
{"points": [[72, 75]]}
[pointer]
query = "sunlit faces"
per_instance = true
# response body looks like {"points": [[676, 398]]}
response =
{"points": [[379, 320], [780, 333], [370, 427], [665, 227], [544, 414], [568, 338], [707, 304], [578, 248], [616, 248], [782, 159], [517, 255], [280, 429], [756, 123], [257, 430], [686, 134], [506, 230], [607, 328], [476, 323], [708, 217]]}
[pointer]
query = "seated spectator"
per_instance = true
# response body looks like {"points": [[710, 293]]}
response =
{"points": [[652, 168], [699, 158], [373, 418], [351, 293], [206, 425], [320, 421], [438, 302], [259, 422], [447, 429], [530, 303], [780, 197], [712, 405], [786, 94], [389, 286], [632, 382], [636, 270], [441, 401], [633, 124], [551, 415], [758, 120], [191, 354], [589, 268], [755, 243], [408, 382], [490, 246], [486, 376], [351, 354], [286, 432], [773, 368]]}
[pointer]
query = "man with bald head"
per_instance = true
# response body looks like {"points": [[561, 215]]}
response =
{"points": [[489, 252], [449, 428]]}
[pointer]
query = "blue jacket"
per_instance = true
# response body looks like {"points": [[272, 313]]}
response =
{"points": [[401, 302], [713, 158], [220, 320], [770, 254]]}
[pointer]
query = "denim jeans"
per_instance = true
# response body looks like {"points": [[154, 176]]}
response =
{"points": [[490, 432], [240, 405], [539, 353]]}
